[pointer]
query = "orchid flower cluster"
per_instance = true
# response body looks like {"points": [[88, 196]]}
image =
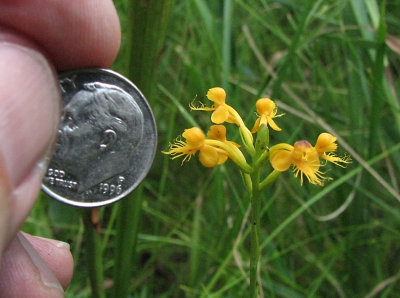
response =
{"points": [[214, 149]]}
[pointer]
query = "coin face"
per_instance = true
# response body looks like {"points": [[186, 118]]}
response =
{"points": [[106, 140]]}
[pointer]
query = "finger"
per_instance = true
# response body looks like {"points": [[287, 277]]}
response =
{"points": [[57, 256], [29, 115], [23, 272], [72, 33]]}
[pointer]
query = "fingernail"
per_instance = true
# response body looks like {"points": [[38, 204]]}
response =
{"points": [[29, 110], [61, 244], [46, 275], [56, 243]]}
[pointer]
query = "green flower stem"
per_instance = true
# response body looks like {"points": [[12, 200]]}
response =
{"points": [[261, 154], [93, 255], [247, 181], [246, 141], [233, 154], [255, 246], [269, 180], [261, 159], [244, 131]]}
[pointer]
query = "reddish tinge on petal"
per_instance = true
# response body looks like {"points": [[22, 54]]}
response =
{"points": [[217, 132]]}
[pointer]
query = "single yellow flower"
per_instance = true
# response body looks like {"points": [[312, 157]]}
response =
{"points": [[302, 156], [305, 158], [327, 143], [225, 113], [209, 155], [266, 110], [222, 112]]}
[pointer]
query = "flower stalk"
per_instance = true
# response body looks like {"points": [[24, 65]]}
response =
{"points": [[215, 150], [254, 244]]}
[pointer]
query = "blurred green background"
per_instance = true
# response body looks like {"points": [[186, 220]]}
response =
{"points": [[331, 65]]}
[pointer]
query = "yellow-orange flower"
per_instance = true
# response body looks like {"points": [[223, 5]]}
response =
{"points": [[302, 156], [305, 158], [266, 110], [222, 112], [209, 155], [225, 113]]}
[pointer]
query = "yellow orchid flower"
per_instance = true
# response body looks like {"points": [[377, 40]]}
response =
{"points": [[209, 156], [302, 156], [225, 113], [222, 112], [305, 158], [212, 151], [266, 109]]}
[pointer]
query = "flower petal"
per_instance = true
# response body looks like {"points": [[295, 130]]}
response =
{"points": [[273, 124], [217, 132], [256, 125], [265, 106], [326, 143], [194, 136], [220, 115], [222, 158], [281, 160], [208, 156], [217, 95]]}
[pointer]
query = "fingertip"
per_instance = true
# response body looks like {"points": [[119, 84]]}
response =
{"points": [[57, 256], [23, 272]]}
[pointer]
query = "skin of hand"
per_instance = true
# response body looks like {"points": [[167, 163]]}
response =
{"points": [[37, 39]]}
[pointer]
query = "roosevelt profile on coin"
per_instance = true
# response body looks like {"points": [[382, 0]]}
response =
{"points": [[100, 128]]}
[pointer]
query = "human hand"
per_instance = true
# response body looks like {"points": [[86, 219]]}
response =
{"points": [[38, 38]]}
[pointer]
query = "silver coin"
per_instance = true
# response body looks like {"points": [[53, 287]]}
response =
{"points": [[106, 140]]}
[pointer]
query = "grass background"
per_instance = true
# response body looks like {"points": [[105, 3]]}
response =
{"points": [[331, 66]]}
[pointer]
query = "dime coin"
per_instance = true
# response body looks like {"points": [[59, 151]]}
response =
{"points": [[106, 140]]}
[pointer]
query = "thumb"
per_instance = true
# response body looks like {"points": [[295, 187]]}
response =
{"points": [[29, 113]]}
